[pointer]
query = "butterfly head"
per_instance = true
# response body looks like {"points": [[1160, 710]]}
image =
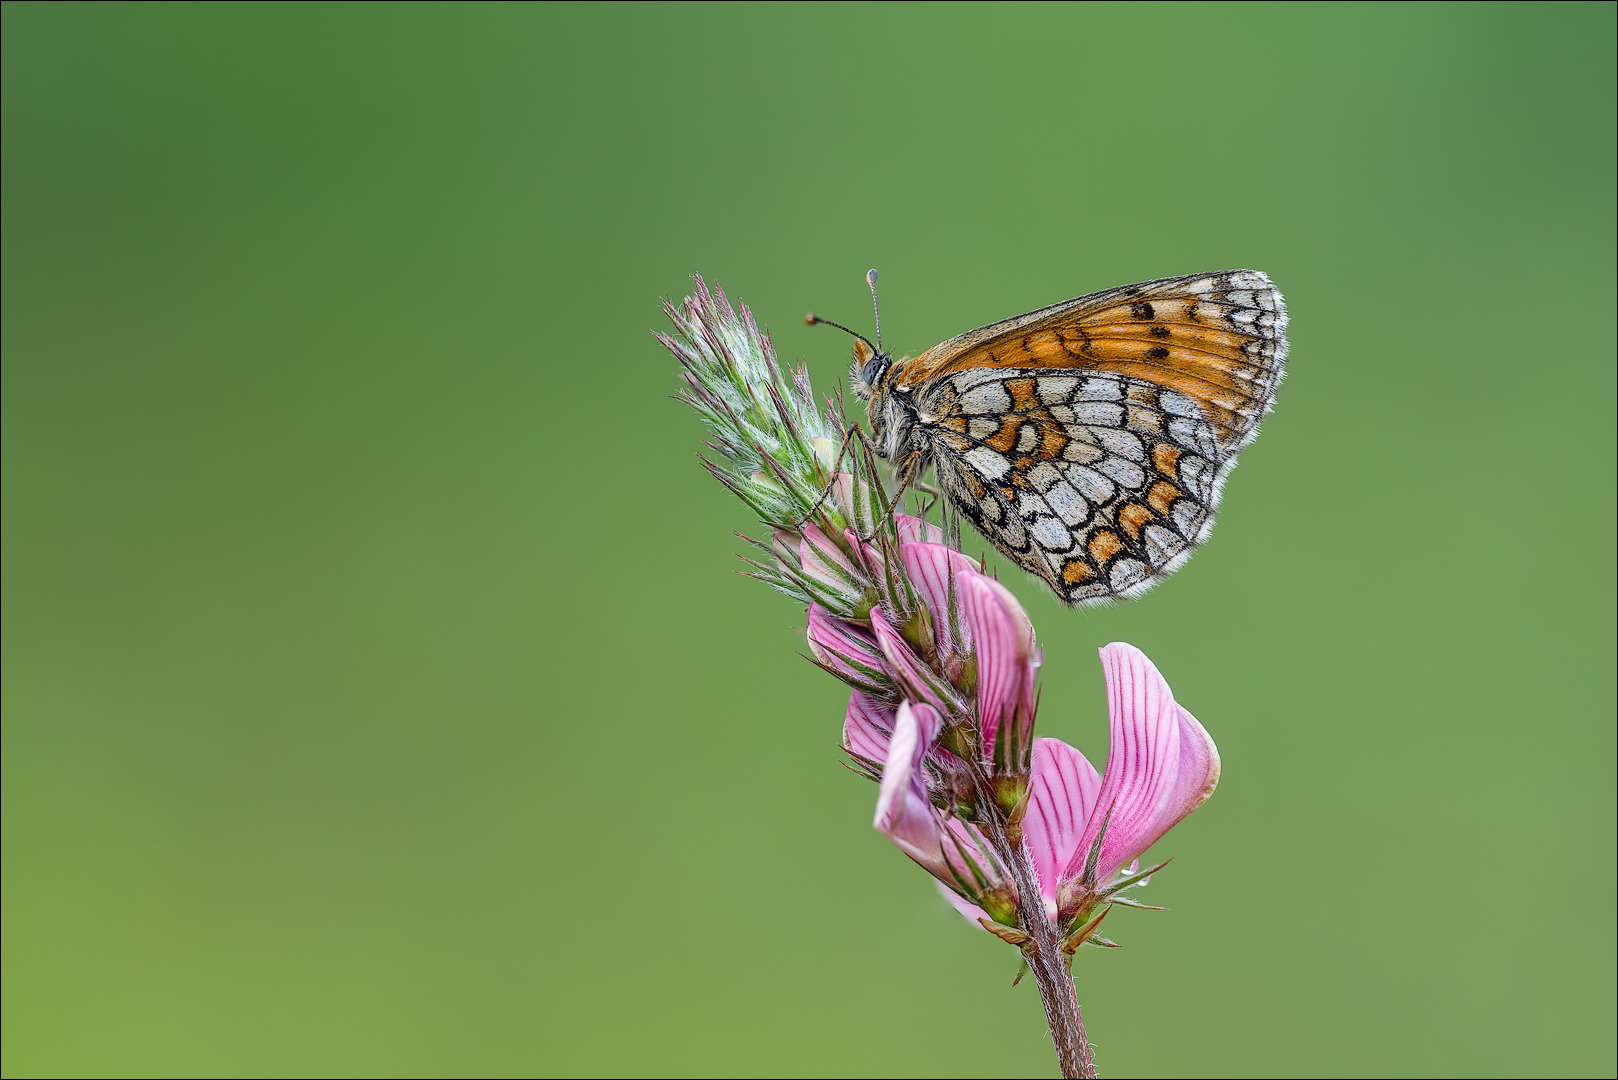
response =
{"points": [[869, 367]]}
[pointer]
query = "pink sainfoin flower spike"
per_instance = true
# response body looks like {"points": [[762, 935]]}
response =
{"points": [[951, 742]]}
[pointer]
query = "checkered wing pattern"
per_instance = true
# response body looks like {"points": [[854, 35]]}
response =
{"points": [[1088, 441]]}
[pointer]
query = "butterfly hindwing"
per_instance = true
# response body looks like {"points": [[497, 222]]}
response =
{"points": [[1098, 483]]}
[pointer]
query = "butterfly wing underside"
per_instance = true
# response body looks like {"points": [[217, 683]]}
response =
{"points": [[1088, 441]]}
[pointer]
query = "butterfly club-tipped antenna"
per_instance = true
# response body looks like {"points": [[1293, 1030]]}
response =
{"points": [[870, 279], [815, 320]]}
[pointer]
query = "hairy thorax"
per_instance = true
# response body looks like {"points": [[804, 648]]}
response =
{"points": [[893, 419]]}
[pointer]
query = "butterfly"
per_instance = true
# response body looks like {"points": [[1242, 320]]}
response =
{"points": [[1087, 441]]}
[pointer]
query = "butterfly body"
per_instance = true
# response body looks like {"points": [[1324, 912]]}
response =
{"points": [[1088, 441]]}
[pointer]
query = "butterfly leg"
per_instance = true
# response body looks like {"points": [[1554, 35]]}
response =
{"points": [[904, 477], [848, 438], [933, 495]]}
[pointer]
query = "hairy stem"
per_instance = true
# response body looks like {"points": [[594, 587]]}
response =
{"points": [[1045, 960]]}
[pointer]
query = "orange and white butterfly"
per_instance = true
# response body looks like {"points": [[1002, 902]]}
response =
{"points": [[1088, 441]]}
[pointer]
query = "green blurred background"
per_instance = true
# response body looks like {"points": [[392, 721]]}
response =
{"points": [[379, 698]]}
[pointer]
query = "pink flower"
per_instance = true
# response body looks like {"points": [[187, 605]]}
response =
{"points": [[917, 680], [943, 667], [849, 652], [1082, 828], [918, 806], [985, 645], [1008, 663]]}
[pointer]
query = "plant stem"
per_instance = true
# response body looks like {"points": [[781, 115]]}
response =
{"points": [[1045, 961]]}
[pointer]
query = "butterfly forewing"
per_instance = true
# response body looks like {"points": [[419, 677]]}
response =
{"points": [[1088, 441]]}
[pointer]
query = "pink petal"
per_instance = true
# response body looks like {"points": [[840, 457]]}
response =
{"points": [[913, 530], [1014, 611], [868, 728], [949, 850], [1063, 792], [919, 682], [904, 813], [1199, 768], [1161, 764], [1004, 640], [871, 562], [844, 647], [842, 489], [930, 568], [826, 563]]}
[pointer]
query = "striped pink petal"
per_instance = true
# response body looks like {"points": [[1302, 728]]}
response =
{"points": [[823, 561], [1161, 764], [932, 569], [851, 652], [867, 728], [904, 813], [1062, 794], [1007, 660], [919, 682], [914, 530]]}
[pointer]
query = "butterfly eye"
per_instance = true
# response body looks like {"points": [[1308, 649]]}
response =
{"points": [[873, 369]]}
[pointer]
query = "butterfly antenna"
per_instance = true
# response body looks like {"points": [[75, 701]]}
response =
{"points": [[814, 320], [870, 279]]}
